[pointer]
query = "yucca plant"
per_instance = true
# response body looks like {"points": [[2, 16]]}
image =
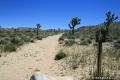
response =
{"points": [[75, 21], [38, 26], [110, 19]]}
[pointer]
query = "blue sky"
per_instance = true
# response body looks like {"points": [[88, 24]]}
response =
{"points": [[54, 13]]}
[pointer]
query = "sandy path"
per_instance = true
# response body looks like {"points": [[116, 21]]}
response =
{"points": [[34, 56]]}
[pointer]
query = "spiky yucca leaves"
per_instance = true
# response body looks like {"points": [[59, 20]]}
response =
{"points": [[110, 18], [38, 26], [75, 21]]}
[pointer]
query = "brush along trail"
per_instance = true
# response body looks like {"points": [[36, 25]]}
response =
{"points": [[38, 56]]}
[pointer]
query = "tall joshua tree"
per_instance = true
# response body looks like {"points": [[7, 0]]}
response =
{"points": [[110, 18], [75, 21], [38, 26]]}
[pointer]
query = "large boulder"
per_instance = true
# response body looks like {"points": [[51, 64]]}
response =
{"points": [[42, 76]]}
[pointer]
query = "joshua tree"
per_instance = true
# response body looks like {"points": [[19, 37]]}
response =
{"points": [[110, 18], [75, 21], [38, 26]]}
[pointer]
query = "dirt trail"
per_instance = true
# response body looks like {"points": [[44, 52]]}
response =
{"points": [[34, 56]]}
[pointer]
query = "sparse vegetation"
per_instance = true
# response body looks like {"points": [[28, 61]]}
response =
{"points": [[112, 52], [69, 42], [80, 59], [76, 52], [18, 37], [117, 44], [85, 42], [61, 38], [39, 37], [74, 60], [10, 47], [17, 41]]}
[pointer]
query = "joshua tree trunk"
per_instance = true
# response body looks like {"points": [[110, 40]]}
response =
{"points": [[73, 29], [37, 32], [107, 30]]}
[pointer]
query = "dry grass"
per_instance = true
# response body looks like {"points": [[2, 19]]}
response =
{"points": [[81, 62]]}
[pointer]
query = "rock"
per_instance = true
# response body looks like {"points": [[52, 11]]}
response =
{"points": [[42, 76]]}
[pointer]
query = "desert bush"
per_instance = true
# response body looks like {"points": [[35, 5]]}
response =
{"points": [[10, 47], [85, 41], [60, 55], [17, 41], [82, 39], [39, 37], [66, 35], [1, 48], [117, 44], [75, 59], [112, 52], [69, 42], [118, 41], [4, 41], [89, 41], [25, 38], [61, 38], [71, 37], [32, 35], [32, 40]]}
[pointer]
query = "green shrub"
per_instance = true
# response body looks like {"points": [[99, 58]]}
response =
{"points": [[67, 35], [32, 35], [1, 48], [69, 42], [61, 38], [82, 39], [32, 40], [88, 41], [17, 41], [117, 44], [112, 52], [10, 47], [74, 60], [25, 38], [85, 42], [39, 37], [4, 41], [60, 55], [71, 37], [118, 41]]}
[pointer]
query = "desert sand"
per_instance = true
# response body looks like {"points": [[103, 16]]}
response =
{"points": [[38, 56]]}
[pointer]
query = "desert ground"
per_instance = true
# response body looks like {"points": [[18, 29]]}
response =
{"points": [[38, 56]]}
